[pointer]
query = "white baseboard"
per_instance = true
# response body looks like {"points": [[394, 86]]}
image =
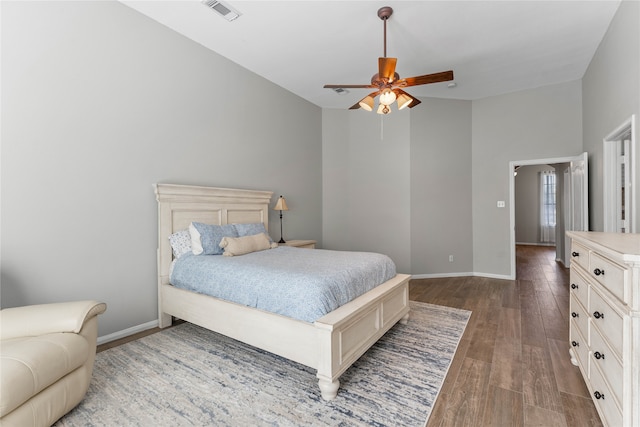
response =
{"points": [[476, 274], [126, 332], [535, 244], [439, 275]]}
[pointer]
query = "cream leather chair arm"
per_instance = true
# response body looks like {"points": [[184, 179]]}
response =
{"points": [[33, 320]]}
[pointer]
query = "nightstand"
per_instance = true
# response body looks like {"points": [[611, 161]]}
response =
{"points": [[307, 244]]}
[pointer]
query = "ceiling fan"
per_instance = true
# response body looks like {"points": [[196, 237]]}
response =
{"points": [[388, 83]]}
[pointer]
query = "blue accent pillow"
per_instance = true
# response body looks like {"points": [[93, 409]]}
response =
{"points": [[211, 235], [251, 230]]}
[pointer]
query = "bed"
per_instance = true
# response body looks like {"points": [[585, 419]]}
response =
{"points": [[329, 345]]}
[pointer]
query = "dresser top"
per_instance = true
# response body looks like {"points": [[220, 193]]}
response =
{"points": [[625, 245]]}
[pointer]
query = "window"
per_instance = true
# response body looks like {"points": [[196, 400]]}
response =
{"points": [[548, 207]]}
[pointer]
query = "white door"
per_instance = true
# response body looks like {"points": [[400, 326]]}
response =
{"points": [[577, 193]]}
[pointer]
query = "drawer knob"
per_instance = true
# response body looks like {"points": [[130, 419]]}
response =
{"points": [[575, 343], [598, 272], [574, 314], [575, 254], [598, 315], [598, 355], [574, 286], [598, 395]]}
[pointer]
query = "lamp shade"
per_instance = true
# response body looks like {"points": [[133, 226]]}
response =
{"points": [[281, 205], [383, 109], [367, 103]]}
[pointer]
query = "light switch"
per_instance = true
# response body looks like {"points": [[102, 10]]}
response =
{"points": [[501, 203]]}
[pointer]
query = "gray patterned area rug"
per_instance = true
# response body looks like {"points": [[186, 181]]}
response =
{"points": [[187, 375]]}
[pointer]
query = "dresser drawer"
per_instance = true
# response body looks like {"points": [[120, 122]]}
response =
{"points": [[603, 398], [608, 321], [579, 317], [580, 346], [603, 357], [580, 255], [610, 275], [579, 287], [609, 264]]}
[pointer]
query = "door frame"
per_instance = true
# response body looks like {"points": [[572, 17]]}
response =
{"points": [[512, 198], [609, 146]]}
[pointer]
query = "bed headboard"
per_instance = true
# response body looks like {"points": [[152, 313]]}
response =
{"points": [[179, 205]]}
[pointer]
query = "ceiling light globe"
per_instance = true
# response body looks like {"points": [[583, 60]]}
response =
{"points": [[387, 97]]}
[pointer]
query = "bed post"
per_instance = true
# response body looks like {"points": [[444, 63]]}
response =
{"points": [[164, 253], [327, 362]]}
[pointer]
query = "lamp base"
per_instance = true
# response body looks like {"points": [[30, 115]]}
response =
{"points": [[281, 240]]}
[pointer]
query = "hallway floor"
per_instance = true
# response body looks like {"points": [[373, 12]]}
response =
{"points": [[512, 366]]}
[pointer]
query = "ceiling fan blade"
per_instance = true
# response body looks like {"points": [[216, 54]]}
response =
{"points": [[415, 102], [444, 76], [348, 86], [387, 68]]}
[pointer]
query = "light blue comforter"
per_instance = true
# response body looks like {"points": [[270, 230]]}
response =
{"points": [[304, 284]]}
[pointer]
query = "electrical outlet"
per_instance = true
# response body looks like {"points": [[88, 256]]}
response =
{"points": [[450, 258], [501, 203]]}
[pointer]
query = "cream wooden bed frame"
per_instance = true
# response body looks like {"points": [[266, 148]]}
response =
{"points": [[330, 345]]}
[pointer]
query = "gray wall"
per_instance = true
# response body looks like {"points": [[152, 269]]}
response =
{"points": [[534, 124], [441, 188], [98, 103], [400, 185], [366, 184], [458, 169], [611, 94]]}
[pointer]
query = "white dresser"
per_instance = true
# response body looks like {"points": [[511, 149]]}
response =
{"points": [[605, 321]]}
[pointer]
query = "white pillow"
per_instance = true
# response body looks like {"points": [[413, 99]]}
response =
{"points": [[247, 244], [196, 243]]}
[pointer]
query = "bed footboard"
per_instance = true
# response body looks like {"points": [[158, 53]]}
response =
{"points": [[348, 332]]}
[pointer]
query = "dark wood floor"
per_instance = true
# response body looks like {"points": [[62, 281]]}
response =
{"points": [[512, 366]]}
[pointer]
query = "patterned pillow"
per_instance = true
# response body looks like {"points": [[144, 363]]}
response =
{"points": [[205, 238], [180, 243], [251, 230]]}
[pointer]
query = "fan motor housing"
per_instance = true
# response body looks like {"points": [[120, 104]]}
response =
{"points": [[377, 81]]}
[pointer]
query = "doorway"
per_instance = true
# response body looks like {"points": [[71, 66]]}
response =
{"points": [[572, 173]]}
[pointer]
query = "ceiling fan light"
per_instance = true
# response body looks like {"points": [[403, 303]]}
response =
{"points": [[403, 101], [383, 109], [387, 97], [366, 103]]}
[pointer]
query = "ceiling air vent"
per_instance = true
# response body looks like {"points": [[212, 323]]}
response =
{"points": [[226, 11]]}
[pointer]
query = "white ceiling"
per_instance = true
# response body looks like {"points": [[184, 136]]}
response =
{"points": [[493, 47]]}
